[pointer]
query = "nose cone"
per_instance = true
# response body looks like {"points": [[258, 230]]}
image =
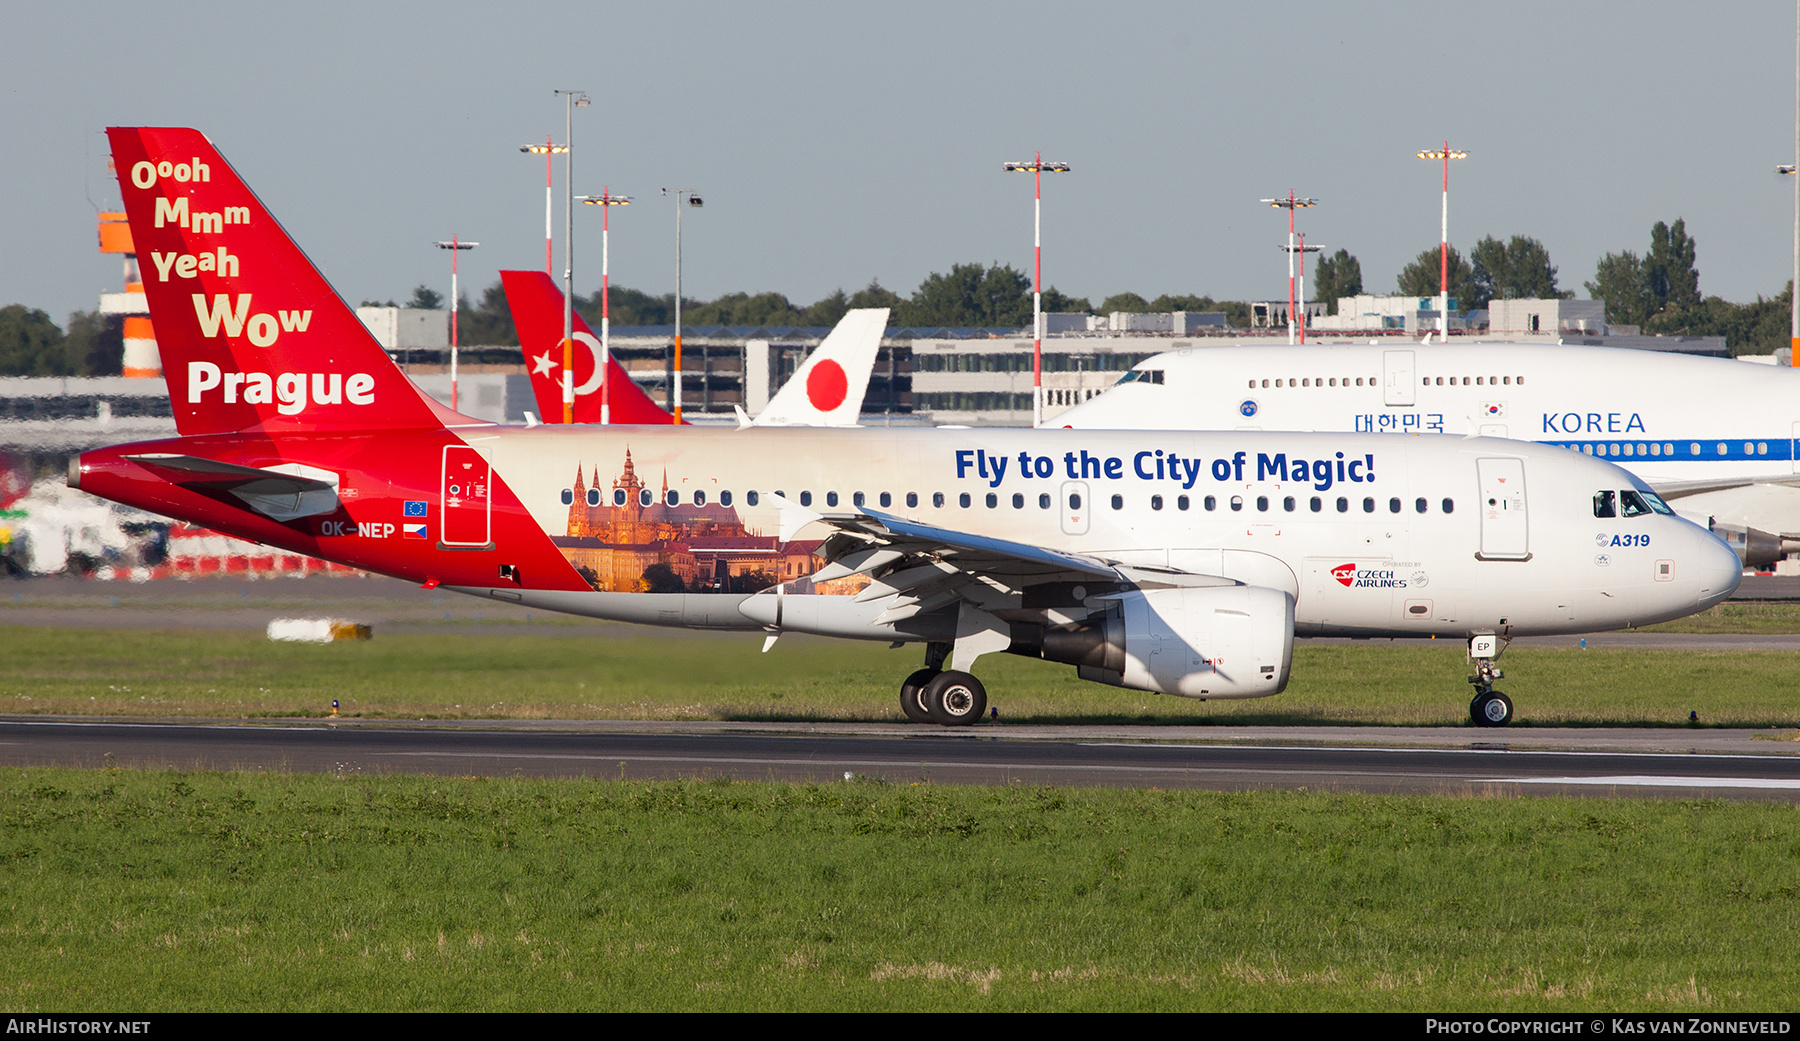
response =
{"points": [[1717, 569]]}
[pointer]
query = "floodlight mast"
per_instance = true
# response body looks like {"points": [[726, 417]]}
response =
{"points": [[1290, 204], [1302, 249], [1446, 155], [549, 150], [606, 200], [455, 246], [572, 99], [688, 196], [1037, 168]]}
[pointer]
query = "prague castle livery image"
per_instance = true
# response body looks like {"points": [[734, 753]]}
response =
{"points": [[1177, 562]]}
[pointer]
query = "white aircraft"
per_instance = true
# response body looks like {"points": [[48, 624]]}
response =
{"points": [[1716, 438], [1180, 563]]}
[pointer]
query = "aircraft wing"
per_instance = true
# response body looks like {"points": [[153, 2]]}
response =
{"points": [[1670, 490], [925, 567]]}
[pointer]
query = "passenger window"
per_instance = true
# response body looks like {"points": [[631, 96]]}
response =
{"points": [[1368, 504], [1343, 504], [1181, 502], [858, 499], [912, 500], [937, 500], [1018, 501], [725, 498], [1044, 501], [1449, 506], [1237, 503], [963, 500], [1074, 501], [1262, 503], [1118, 502], [1393, 505], [1317, 504], [806, 498], [644, 497], [993, 500], [750, 498], [1633, 503], [1211, 503], [1288, 504], [831, 498], [568, 496], [593, 497], [699, 498], [1156, 502]]}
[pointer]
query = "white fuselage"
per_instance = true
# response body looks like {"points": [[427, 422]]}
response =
{"points": [[1369, 534], [1668, 418]]}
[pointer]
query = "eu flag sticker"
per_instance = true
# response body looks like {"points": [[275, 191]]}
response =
{"points": [[415, 509], [412, 531]]}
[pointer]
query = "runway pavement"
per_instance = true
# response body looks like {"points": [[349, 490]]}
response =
{"points": [[1455, 761]]}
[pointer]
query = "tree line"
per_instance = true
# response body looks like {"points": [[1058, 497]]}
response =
{"points": [[1658, 291]]}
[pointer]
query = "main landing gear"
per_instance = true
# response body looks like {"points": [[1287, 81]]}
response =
{"points": [[942, 696], [1489, 707]]}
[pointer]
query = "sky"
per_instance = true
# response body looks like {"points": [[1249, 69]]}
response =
{"points": [[837, 143]]}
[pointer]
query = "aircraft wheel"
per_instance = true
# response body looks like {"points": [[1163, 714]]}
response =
{"points": [[955, 699], [910, 691], [1492, 709]]}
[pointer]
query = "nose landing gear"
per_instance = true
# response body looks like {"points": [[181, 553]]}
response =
{"points": [[1489, 707]]}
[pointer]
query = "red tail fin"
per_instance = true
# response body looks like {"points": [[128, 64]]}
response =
{"points": [[537, 310], [250, 333]]}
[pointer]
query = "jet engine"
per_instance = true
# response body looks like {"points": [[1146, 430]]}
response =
{"points": [[1210, 642], [1755, 548]]}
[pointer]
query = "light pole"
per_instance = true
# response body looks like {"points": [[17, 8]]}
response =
{"points": [[1302, 249], [455, 246], [681, 195], [1794, 290], [1290, 204], [1037, 168], [1446, 155], [606, 199], [549, 151], [572, 99]]}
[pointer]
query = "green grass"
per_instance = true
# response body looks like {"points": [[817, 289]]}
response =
{"points": [[658, 676], [1763, 617], [169, 891]]}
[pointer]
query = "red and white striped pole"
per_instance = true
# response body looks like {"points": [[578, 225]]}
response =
{"points": [[1290, 204], [1037, 168], [1444, 244]]}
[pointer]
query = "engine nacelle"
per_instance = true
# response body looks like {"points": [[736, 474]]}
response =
{"points": [[1755, 548], [1212, 642]]}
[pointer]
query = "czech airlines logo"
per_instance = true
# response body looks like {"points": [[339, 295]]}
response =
{"points": [[1247, 409], [1352, 577]]}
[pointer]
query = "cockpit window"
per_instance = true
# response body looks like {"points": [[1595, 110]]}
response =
{"points": [[1604, 503], [1141, 376], [1656, 503], [1634, 504]]}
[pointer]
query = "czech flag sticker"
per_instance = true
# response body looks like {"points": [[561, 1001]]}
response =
{"points": [[412, 531]]}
